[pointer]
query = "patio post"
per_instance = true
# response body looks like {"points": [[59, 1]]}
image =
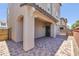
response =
{"points": [[28, 29], [53, 30]]}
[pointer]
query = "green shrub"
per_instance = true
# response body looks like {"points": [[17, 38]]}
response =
{"points": [[76, 24]]}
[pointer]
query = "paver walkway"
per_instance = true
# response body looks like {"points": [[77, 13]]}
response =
{"points": [[4, 49], [45, 46], [66, 48]]}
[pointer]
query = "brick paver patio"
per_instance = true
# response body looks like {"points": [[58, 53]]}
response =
{"points": [[45, 46]]}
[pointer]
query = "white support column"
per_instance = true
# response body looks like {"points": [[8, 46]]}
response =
{"points": [[53, 30], [28, 29]]}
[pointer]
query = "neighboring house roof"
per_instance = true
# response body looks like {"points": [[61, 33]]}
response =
{"points": [[3, 23], [60, 4], [40, 10], [64, 19]]}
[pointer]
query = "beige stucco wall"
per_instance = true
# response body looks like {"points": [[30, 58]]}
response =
{"points": [[56, 10], [56, 13], [14, 12], [39, 28], [28, 25], [57, 29]]}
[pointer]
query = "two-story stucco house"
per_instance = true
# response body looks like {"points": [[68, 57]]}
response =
{"points": [[63, 26], [3, 24], [28, 21]]}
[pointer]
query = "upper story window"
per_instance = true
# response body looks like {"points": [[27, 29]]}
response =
{"points": [[49, 7]]}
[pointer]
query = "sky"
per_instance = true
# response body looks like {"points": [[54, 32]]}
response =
{"points": [[3, 11], [69, 11]]}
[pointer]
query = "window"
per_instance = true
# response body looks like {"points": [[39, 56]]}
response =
{"points": [[49, 7], [61, 28]]}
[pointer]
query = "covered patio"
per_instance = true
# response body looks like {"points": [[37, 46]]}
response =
{"points": [[34, 23]]}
